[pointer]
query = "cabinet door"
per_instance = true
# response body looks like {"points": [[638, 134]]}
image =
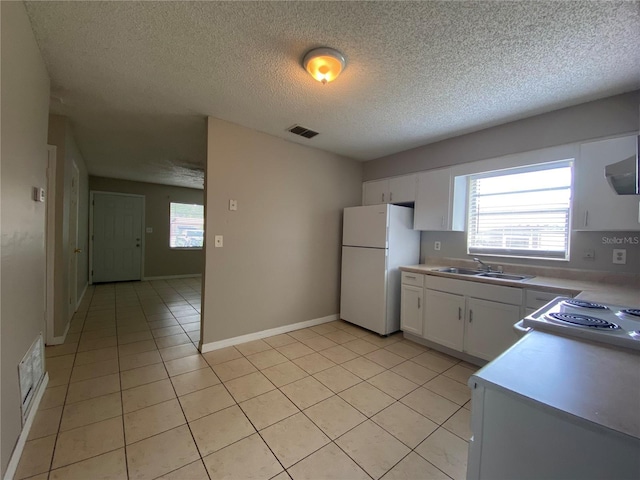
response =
{"points": [[433, 200], [443, 318], [376, 192], [489, 328], [411, 309], [596, 206], [402, 189]]}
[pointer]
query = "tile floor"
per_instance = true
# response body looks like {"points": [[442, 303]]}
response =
{"points": [[129, 396]]}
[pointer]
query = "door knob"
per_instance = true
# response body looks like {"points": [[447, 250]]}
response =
{"points": [[77, 250]]}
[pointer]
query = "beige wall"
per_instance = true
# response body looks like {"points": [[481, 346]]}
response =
{"points": [[601, 118], [25, 106], [68, 154], [280, 263], [159, 259]]}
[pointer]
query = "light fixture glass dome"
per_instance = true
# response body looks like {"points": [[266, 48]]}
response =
{"points": [[324, 64]]}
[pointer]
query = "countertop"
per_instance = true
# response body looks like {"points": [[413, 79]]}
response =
{"points": [[591, 381], [594, 286]]}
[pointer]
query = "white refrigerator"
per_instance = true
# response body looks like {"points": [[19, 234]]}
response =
{"points": [[376, 240]]}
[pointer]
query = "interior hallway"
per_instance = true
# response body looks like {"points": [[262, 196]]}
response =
{"points": [[130, 397]]}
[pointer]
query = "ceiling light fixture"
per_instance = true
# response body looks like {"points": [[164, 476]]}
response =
{"points": [[324, 64]]}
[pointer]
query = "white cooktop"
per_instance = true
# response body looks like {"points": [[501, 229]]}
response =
{"points": [[605, 323]]}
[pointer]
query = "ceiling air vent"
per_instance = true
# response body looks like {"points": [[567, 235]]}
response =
{"points": [[303, 132]]}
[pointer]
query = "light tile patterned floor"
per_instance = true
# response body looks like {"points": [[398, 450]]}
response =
{"points": [[130, 397]]}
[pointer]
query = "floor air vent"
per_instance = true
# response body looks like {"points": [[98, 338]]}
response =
{"points": [[30, 373], [303, 132]]}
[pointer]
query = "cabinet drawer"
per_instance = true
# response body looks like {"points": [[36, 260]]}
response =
{"points": [[485, 291], [414, 279], [536, 299]]}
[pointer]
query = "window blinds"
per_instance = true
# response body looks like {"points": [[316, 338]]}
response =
{"points": [[522, 212]]}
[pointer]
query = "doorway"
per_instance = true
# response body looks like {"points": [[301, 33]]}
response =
{"points": [[73, 240], [116, 237], [50, 235]]}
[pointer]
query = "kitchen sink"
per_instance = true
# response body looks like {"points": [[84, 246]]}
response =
{"points": [[482, 273], [459, 271], [504, 276]]}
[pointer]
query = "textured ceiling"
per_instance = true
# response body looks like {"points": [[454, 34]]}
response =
{"points": [[138, 78]]}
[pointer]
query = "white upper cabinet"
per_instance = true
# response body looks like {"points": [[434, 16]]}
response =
{"points": [[375, 192], [595, 205], [402, 189], [439, 206], [390, 190]]}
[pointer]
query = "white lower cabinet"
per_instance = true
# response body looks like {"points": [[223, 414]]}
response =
{"points": [[412, 299], [443, 318], [470, 317], [489, 328]]}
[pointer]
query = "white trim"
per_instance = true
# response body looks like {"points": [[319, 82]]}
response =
{"points": [[60, 340], [24, 434], [50, 243], [171, 277], [209, 347], [84, 290], [142, 229]]}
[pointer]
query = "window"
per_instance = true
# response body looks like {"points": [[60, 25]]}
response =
{"points": [[186, 226], [521, 212]]}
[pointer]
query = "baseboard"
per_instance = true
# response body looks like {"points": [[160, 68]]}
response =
{"points": [[60, 340], [22, 439], [81, 296], [209, 347], [171, 277]]}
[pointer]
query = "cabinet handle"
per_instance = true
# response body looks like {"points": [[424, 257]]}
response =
{"points": [[459, 313], [391, 197], [543, 299], [418, 302], [586, 218], [383, 198], [470, 316]]}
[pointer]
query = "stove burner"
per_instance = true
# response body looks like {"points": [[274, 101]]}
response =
{"points": [[583, 304], [631, 311], [582, 320]]}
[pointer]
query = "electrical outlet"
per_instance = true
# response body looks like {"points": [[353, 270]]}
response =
{"points": [[217, 241], [619, 256], [436, 245], [233, 205]]}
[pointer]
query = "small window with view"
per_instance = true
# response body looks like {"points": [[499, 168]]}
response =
{"points": [[186, 226]]}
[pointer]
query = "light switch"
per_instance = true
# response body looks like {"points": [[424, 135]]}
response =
{"points": [[233, 205], [38, 194], [217, 241], [149, 229]]}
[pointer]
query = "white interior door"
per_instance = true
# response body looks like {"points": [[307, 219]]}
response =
{"points": [[73, 240], [117, 237], [363, 288], [50, 239], [365, 226]]}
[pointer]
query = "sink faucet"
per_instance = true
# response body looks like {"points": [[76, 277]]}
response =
{"points": [[484, 266]]}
